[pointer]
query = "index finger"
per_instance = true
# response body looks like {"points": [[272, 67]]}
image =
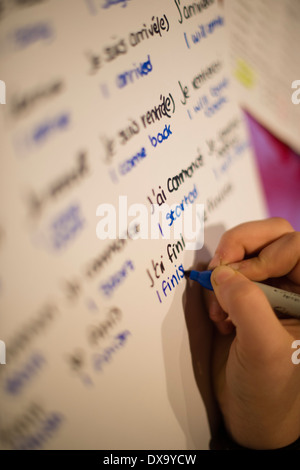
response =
{"points": [[248, 238]]}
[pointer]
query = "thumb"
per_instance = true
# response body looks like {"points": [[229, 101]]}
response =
{"points": [[257, 327]]}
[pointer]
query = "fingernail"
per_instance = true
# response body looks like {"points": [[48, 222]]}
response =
{"points": [[222, 274], [215, 261]]}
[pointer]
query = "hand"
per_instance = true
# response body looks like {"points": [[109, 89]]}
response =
{"points": [[256, 383]]}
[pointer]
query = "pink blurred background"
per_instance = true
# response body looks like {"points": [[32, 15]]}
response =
{"points": [[279, 167]]}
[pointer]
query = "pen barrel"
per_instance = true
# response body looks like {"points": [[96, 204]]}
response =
{"points": [[282, 301]]}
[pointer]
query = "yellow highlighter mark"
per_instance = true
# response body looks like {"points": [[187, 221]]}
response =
{"points": [[244, 73]]}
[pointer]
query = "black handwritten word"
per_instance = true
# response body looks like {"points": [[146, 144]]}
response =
{"points": [[95, 266], [17, 381], [157, 268], [130, 131], [21, 425], [97, 333], [129, 164], [113, 51], [95, 62], [212, 203], [192, 9], [163, 109], [204, 31], [158, 25], [176, 213], [226, 139], [30, 330], [168, 285], [205, 74], [109, 286], [72, 289], [104, 358], [45, 431], [199, 80], [232, 125], [63, 184], [109, 147], [65, 226], [138, 72], [161, 136], [159, 197], [22, 104], [176, 181], [180, 245], [30, 34], [119, 46]]}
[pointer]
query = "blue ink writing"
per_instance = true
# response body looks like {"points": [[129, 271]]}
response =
{"points": [[109, 3], [104, 358], [27, 35], [17, 381], [129, 164], [176, 213], [131, 75], [203, 31], [48, 428], [114, 281], [161, 136], [66, 226]]}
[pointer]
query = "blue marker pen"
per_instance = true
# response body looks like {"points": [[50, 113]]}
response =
{"points": [[282, 301]]}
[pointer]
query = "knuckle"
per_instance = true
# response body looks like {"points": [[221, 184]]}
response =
{"points": [[285, 226]]}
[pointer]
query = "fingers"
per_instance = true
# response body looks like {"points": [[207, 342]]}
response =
{"points": [[279, 258], [217, 314], [258, 330], [248, 238]]}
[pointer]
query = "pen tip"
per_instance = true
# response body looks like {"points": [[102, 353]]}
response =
{"points": [[187, 274]]}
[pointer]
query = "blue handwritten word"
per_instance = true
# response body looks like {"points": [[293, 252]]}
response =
{"points": [[161, 136], [27, 35], [130, 75], [215, 106], [114, 281], [36, 441], [230, 158], [109, 3], [129, 164], [176, 213], [15, 383], [66, 226], [204, 30], [49, 126], [104, 358], [30, 140], [211, 105]]}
